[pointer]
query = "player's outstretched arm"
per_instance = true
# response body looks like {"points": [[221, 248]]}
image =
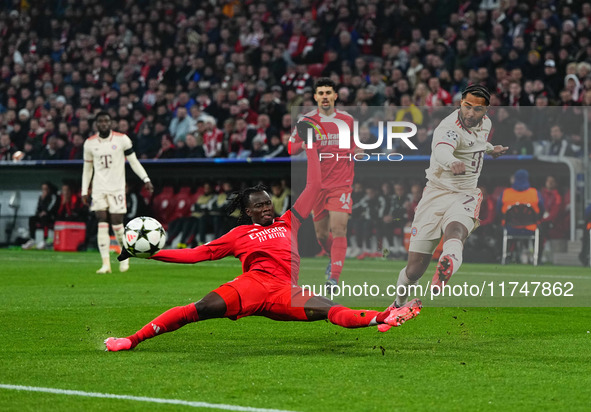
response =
{"points": [[214, 250], [303, 206]]}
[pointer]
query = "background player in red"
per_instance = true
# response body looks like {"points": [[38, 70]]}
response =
{"points": [[333, 205], [268, 286]]}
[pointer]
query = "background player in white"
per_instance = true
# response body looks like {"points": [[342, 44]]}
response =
{"points": [[451, 200], [104, 154]]}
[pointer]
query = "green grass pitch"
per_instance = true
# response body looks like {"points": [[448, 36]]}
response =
{"points": [[55, 313]]}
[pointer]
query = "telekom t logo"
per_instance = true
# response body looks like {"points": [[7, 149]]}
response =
{"points": [[345, 134]]}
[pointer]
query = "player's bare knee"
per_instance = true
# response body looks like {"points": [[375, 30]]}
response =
{"points": [[456, 230], [317, 307], [339, 231], [117, 219], [416, 267], [209, 307], [101, 215]]}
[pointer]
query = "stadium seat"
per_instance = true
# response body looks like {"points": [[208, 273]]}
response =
{"points": [[146, 195], [162, 205], [517, 218], [181, 203]]}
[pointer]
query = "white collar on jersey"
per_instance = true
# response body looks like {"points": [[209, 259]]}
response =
{"points": [[256, 224], [105, 138], [323, 115]]}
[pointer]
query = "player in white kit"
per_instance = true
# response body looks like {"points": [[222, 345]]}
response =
{"points": [[105, 154], [451, 200]]}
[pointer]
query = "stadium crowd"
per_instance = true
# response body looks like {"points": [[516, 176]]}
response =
{"points": [[219, 78]]}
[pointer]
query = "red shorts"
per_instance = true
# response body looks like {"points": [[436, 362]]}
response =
{"points": [[253, 294], [337, 199]]}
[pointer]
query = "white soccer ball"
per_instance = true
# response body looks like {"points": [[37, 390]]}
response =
{"points": [[143, 237]]}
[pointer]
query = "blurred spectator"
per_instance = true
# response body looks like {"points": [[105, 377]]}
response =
{"points": [[200, 223], [212, 138], [415, 195], [437, 93], [394, 220], [52, 150], [7, 148], [180, 125], [280, 197], [222, 222], [192, 149], [70, 205], [522, 144], [41, 224], [372, 207], [259, 148], [146, 64], [167, 149], [276, 148], [76, 150], [558, 144]]}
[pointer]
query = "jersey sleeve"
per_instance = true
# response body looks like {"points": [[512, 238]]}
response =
{"points": [[127, 145], [214, 250], [294, 145], [447, 137], [87, 153]]}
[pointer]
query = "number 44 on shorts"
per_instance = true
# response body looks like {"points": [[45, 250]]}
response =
{"points": [[345, 199]]}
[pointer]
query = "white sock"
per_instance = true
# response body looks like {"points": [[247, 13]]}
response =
{"points": [[50, 235], [38, 236], [104, 241], [402, 287], [454, 249], [118, 229]]}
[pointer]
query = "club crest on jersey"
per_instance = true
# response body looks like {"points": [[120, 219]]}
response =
{"points": [[451, 136], [114, 147], [413, 231]]}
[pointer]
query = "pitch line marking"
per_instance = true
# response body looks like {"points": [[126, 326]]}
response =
{"points": [[138, 398]]}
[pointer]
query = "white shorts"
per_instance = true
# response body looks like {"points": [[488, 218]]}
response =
{"points": [[437, 209], [114, 202]]}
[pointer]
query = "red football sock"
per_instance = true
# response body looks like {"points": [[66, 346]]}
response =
{"points": [[337, 256], [170, 320], [350, 318]]}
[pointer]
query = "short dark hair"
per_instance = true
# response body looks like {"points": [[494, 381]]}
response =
{"points": [[478, 91], [325, 82], [102, 113]]}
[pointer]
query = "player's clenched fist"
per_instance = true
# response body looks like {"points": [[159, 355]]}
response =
{"points": [[458, 168], [499, 150]]}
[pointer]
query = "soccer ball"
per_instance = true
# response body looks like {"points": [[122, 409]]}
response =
{"points": [[143, 236]]}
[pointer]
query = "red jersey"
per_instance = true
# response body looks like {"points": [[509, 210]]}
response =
{"points": [[270, 249], [337, 170]]}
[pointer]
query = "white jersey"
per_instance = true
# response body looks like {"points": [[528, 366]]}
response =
{"points": [[469, 145], [108, 159]]}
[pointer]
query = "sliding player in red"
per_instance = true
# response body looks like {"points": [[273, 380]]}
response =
{"points": [[268, 286]]}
